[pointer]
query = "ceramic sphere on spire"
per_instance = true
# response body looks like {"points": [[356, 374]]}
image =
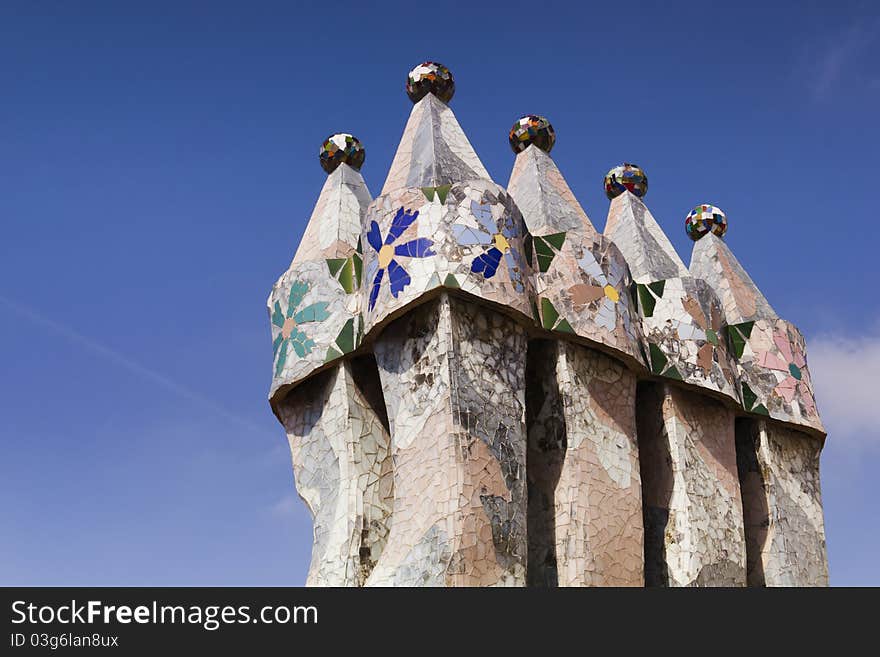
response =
{"points": [[626, 178], [704, 219], [529, 130], [339, 148], [430, 77]]}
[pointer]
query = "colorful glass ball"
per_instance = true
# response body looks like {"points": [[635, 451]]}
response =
{"points": [[626, 177], [339, 148], [704, 219], [532, 129], [430, 77]]}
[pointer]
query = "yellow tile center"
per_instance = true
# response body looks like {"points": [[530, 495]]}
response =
{"points": [[385, 255], [612, 293], [501, 243]]}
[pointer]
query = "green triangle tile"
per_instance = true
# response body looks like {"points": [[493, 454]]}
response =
{"points": [[749, 397], [428, 192], [548, 314], [760, 409], [746, 329], [332, 354], [556, 240], [544, 262], [564, 326], [360, 247], [527, 248], [358, 269], [673, 373], [345, 340], [658, 358], [442, 191], [657, 288], [450, 281], [712, 337], [737, 341], [542, 247], [346, 277], [647, 300], [334, 265]]}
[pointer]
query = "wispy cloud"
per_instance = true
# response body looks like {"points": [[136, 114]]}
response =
{"points": [[844, 372], [138, 369], [288, 505], [841, 56]]}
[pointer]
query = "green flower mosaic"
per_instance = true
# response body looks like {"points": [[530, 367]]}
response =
{"points": [[291, 335]]}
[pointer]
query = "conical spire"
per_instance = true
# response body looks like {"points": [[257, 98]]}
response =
{"points": [[649, 253], [433, 150], [713, 261], [313, 305], [335, 225], [544, 198]]}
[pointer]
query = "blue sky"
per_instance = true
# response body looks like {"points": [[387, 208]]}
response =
{"points": [[158, 163]]}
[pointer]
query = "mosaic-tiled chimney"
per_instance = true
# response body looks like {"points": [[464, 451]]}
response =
{"points": [[480, 389]]}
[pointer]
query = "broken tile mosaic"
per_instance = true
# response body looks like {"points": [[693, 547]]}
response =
{"points": [[430, 77], [387, 254], [481, 389], [626, 177], [704, 219], [529, 130], [341, 148]]}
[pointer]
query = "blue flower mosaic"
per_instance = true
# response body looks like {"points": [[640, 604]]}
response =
{"points": [[290, 334], [387, 254], [583, 294], [497, 236]]}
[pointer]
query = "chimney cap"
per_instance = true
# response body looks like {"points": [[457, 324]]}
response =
{"points": [[532, 129], [430, 77], [626, 177], [341, 148], [703, 219]]}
